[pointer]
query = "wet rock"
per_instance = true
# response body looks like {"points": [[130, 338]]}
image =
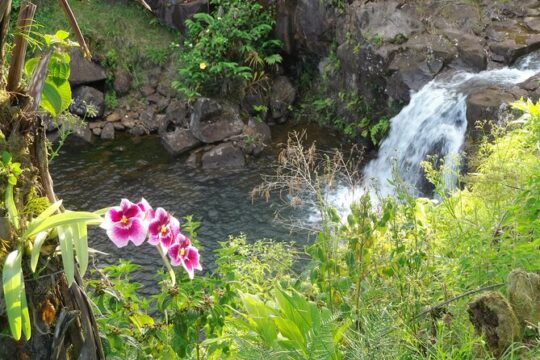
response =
{"points": [[493, 317], [179, 141], [137, 130], [150, 121], [194, 159], [486, 104], [96, 131], [224, 155], [206, 108], [108, 132], [96, 125], [128, 122], [176, 115], [147, 90], [213, 124], [88, 102], [282, 96], [510, 40], [84, 71], [471, 53], [122, 82], [119, 126], [256, 136], [114, 117]]}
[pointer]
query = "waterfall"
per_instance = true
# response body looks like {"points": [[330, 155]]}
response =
{"points": [[433, 123]]}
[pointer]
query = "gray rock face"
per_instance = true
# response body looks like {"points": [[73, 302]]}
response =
{"points": [[179, 141], [107, 133], [84, 71], [176, 13], [282, 95], [122, 82], [84, 98], [211, 123], [221, 156]]}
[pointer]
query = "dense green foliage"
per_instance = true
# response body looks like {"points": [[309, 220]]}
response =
{"points": [[230, 48], [370, 281]]}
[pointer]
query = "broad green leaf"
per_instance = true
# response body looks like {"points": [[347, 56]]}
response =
{"points": [[58, 70], [141, 320], [64, 89], [51, 100], [6, 157], [12, 284], [67, 218], [38, 243], [80, 242], [30, 65], [10, 206], [65, 236], [289, 330], [44, 215], [61, 35]]}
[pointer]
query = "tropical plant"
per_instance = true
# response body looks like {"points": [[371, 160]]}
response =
{"points": [[230, 47]]}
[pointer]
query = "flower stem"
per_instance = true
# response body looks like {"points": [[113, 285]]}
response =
{"points": [[167, 264]]}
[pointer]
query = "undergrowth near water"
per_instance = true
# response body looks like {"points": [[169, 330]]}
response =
{"points": [[390, 280], [122, 35]]}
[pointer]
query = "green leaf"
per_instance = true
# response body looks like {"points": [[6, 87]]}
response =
{"points": [[289, 330], [26, 325], [10, 206], [30, 65], [12, 284], [6, 157], [141, 320], [64, 89], [65, 236], [80, 242], [51, 100], [61, 35], [67, 218], [38, 243], [43, 216]]}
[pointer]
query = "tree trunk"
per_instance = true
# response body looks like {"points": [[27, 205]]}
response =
{"points": [[63, 325]]}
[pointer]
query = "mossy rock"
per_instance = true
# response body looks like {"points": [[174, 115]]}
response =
{"points": [[524, 296], [493, 317]]}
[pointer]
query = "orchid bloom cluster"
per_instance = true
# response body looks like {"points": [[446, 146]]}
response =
{"points": [[137, 222]]}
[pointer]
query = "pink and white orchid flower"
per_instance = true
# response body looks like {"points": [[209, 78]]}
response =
{"points": [[182, 252], [163, 229], [125, 223]]}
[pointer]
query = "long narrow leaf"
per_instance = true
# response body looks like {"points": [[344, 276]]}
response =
{"points": [[12, 284], [64, 219], [44, 215], [26, 326], [10, 205], [80, 242], [38, 243], [65, 235]]}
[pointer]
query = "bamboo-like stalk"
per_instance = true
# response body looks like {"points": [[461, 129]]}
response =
{"points": [[5, 11], [18, 55], [75, 27]]}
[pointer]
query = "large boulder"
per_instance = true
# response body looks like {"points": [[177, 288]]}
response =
{"points": [[84, 71], [487, 104], [509, 40], [179, 141], [224, 155], [88, 102], [281, 97], [122, 82], [211, 123]]}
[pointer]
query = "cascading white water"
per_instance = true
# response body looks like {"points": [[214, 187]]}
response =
{"points": [[433, 123]]}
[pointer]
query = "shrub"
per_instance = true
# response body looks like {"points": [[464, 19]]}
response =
{"points": [[231, 47]]}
